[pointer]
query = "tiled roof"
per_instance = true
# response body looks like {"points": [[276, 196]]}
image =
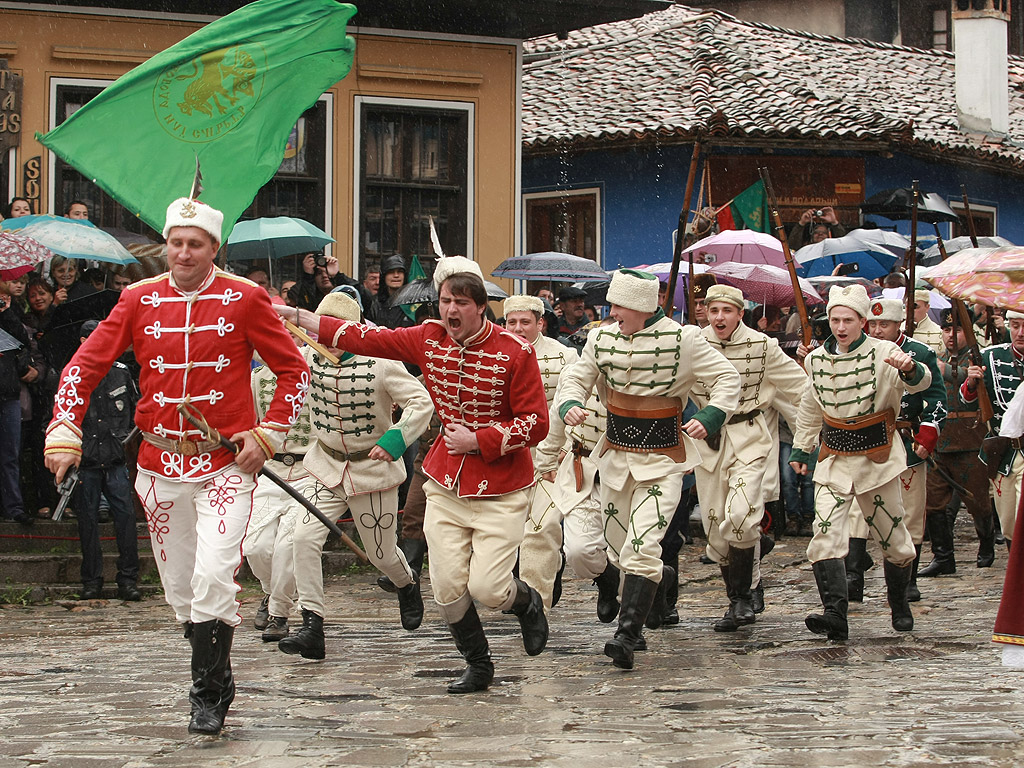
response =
{"points": [[684, 71]]}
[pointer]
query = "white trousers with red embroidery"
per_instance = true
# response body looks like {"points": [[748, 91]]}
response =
{"points": [[197, 531]]}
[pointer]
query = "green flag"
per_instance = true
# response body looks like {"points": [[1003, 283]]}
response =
{"points": [[751, 207], [416, 271], [229, 94]]}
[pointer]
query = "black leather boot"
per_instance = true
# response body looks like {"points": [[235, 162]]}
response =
{"points": [[757, 596], [529, 607], [913, 593], [855, 570], [777, 512], [410, 605], [556, 587], [308, 642], [213, 685], [671, 616], [608, 594], [986, 541], [472, 644], [943, 561], [414, 550], [741, 572], [896, 581], [656, 616], [831, 578], [728, 622], [637, 597]]}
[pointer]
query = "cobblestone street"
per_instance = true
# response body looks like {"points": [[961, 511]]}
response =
{"points": [[105, 684]]}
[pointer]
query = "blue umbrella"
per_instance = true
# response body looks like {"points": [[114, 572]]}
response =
{"points": [[74, 238], [822, 258], [551, 265], [274, 238]]}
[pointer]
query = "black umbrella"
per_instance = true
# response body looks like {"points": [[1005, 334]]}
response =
{"points": [[422, 291], [8, 342], [897, 204]]}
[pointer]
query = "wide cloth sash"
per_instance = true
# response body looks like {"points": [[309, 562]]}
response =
{"points": [[869, 435]]}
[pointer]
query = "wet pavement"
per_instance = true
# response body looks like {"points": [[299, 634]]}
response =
{"points": [[105, 684]]}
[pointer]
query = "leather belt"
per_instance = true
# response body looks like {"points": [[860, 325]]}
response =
{"points": [[183, 446], [342, 456], [288, 459], [962, 415], [738, 418], [869, 435], [644, 424]]}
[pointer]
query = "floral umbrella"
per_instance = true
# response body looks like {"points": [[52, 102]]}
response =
{"points": [[19, 255], [992, 276], [764, 284]]}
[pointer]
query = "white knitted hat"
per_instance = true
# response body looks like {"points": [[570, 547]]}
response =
{"points": [[340, 305], [522, 303], [726, 293], [886, 309], [633, 289], [451, 265], [184, 212], [853, 296]]}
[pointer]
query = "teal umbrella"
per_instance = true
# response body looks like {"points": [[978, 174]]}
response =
{"points": [[73, 238], [274, 238]]}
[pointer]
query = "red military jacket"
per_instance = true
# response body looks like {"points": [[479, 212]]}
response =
{"points": [[491, 384], [196, 347]]}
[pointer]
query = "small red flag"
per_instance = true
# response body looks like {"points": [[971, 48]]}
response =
{"points": [[725, 220]]}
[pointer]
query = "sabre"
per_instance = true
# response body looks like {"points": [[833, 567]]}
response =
{"points": [[196, 419], [320, 348]]}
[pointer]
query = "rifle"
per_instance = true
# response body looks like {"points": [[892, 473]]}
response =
{"points": [[972, 232], [66, 489], [912, 265], [780, 232], [677, 251], [196, 419]]}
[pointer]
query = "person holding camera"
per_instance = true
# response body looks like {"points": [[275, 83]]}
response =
{"points": [[814, 226], [320, 276]]}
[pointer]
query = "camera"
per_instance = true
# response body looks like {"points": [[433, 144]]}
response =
{"points": [[848, 269], [819, 213], [320, 260]]}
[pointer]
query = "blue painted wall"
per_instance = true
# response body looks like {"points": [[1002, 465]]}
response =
{"points": [[642, 193]]}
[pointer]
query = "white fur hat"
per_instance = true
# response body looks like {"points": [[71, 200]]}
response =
{"points": [[726, 293], [853, 296], [887, 309], [451, 265], [521, 303], [184, 212], [922, 295], [633, 289], [1013, 314], [340, 305]]}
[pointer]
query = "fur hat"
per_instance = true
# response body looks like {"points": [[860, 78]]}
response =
{"points": [[853, 296], [340, 305], [521, 303], [184, 212], [946, 318], [922, 295], [886, 309], [451, 265], [701, 283], [633, 289], [726, 293], [1013, 314]]}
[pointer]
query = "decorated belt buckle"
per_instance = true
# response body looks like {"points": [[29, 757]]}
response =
{"points": [[187, 448], [288, 460]]}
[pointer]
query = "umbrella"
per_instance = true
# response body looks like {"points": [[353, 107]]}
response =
{"points": [[8, 342], [992, 276], [823, 283], [19, 254], [423, 290], [764, 283], [897, 204], [126, 238], [933, 256], [77, 239], [551, 265], [894, 241], [662, 271], [25, 221], [274, 238], [822, 258], [743, 245]]}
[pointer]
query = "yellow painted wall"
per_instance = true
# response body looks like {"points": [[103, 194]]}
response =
{"points": [[41, 45]]}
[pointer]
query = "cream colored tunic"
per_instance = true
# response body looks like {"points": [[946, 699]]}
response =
{"points": [[846, 385], [664, 359], [929, 334]]}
